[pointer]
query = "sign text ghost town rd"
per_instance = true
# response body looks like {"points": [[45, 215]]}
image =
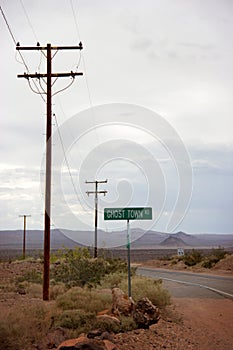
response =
{"points": [[128, 213]]}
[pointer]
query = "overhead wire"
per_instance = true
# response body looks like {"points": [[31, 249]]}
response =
{"points": [[8, 26], [55, 53], [28, 19], [65, 157], [76, 65], [66, 87], [57, 92], [41, 51], [36, 92], [19, 52], [86, 80], [85, 70], [34, 33], [43, 92], [42, 88], [13, 38]]}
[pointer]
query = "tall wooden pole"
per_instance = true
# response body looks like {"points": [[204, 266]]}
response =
{"points": [[24, 233], [96, 192], [48, 75], [48, 178]]}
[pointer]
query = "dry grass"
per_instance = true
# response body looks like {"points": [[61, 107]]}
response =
{"points": [[24, 326], [141, 287], [84, 299]]}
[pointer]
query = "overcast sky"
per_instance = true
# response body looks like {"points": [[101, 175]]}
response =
{"points": [[171, 61]]}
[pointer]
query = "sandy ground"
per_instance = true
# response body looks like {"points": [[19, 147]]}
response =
{"points": [[210, 321], [203, 324]]}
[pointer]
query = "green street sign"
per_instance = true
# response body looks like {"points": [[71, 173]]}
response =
{"points": [[128, 213]]}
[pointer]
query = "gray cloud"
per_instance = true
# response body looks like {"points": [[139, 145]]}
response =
{"points": [[174, 57]]}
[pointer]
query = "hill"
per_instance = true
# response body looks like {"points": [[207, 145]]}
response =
{"points": [[174, 242], [12, 239]]}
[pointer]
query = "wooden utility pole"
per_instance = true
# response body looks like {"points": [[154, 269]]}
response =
{"points": [[49, 75], [96, 192], [24, 233]]}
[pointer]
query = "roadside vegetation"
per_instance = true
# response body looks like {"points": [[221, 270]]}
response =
{"points": [[198, 258], [80, 289]]}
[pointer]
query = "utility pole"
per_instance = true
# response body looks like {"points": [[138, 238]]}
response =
{"points": [[24, 233], [96, 192], [49, 75]]}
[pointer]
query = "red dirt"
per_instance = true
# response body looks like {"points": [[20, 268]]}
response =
{"points": [[209, 320], [205, 324]]}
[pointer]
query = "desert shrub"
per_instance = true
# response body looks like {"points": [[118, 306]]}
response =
{"points": [[107, 326], [219, 253], [73, 319], [7, 287], [84, 299], [24, 326], [117, 265], [208, 263], [32, 276], [81, 321], [79, 308], [56, 290], [141, 287], [174, 261], [146, 287], [192, 258], [214, 257], [127, 323], [77, 268], [34, 290], [113, 279]]}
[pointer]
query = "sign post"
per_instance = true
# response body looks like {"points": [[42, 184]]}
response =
{"points": [[128, 249], [128, 214]]}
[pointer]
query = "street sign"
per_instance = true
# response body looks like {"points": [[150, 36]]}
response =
{"points": [[128, 213]]}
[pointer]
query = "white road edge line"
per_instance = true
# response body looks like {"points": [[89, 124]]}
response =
{"points": [[227, 295]]}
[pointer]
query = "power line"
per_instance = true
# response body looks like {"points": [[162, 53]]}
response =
{"points": [[66, 160], [8, 26], [21, 56], [49, 75], [24, 233], [85, 70], [66, 87], [75, 20], [96, 192], [28, 19], [13, 37]]}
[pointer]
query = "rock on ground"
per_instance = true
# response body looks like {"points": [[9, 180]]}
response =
{"points": [[121, 303], [85, 343]]}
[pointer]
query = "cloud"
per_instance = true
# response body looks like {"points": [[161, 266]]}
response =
{"points": [[142, 44], [214, 158], [172, 56]]}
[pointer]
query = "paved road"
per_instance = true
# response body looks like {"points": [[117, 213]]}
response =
{"points": [[193, 285]]}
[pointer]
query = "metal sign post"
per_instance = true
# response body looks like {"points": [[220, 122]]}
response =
{"points": [[128, 214], [128, 248]]}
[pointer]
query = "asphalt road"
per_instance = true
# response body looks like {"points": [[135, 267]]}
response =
{"points": [[191, 285]]}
